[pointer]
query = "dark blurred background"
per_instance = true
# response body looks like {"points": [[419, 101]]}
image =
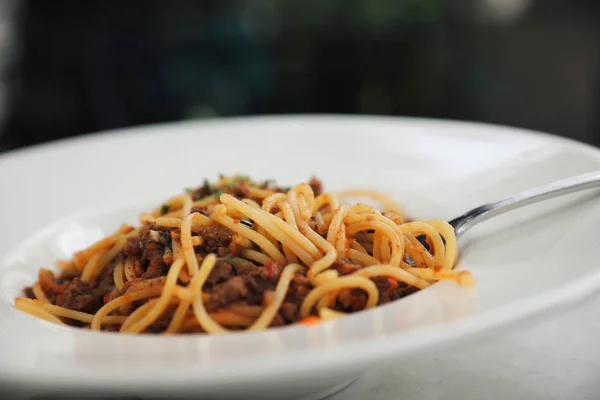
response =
{"points": [[74, 67]]}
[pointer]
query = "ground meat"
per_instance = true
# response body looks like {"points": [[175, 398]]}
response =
{"points": [[156, 265], [260, 281], [344, 267], [299, 288], [69, 273], [69, 291], [50, 287], [278, 320], [221, 272], [269, 272], [404, 290], [248, 288], [133, 246], [245, 268], [113, 294], [190, 324], [161, 324], [79, 295], [240, 191], [352, 299], [202, 191], [312, 223], [201, 210], [289, 311], [104, 283], [231, 291], [232, 250], [152, 261], [316, 185], [217, 239], [387, 289], [273, 270], [28, 291]]}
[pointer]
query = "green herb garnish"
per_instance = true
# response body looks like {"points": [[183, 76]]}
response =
{"points": [[206, 187], [164, 209], [203, 192]]}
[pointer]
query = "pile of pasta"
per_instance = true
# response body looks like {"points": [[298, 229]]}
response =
{"points": [[296, 233]]}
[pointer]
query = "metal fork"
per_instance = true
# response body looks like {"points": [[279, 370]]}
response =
{"points": [[551, 190]]}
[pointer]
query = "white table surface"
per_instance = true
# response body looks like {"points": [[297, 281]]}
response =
{"points": [[557, 357]]}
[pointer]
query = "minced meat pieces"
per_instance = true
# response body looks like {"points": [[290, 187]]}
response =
{"points": [[387, 289], [267, 273], [239, 191], [289, 311], [222, 271], [153, 257], [78, 295], [316, 185], [49, 286], [278, 320], [161, 324], [201, 210], [352, 299], [104, 283], [344, 267], [227, 292], [299, 288], [404, 290], [218, 239], [245, 268], [133, 246], [259, 283], [152, 261], [29, 293], [248, 289]]}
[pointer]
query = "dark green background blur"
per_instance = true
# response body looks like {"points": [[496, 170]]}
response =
{"points": [[79, 66]]}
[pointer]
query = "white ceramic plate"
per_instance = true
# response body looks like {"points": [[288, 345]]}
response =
{"points": [[57, 198]]}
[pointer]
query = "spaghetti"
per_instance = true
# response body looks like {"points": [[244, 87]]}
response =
{"points": [[239, 255]]}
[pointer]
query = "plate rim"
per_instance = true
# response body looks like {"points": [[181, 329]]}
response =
{"points": [[56, 144], [575, 290]]}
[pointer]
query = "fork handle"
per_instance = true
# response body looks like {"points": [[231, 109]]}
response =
{"points": [[558, 188]]}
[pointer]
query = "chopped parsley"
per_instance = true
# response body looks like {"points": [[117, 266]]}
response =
{"points": [[209, 190], [164, 209], [206, 186], [203, 191]]}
